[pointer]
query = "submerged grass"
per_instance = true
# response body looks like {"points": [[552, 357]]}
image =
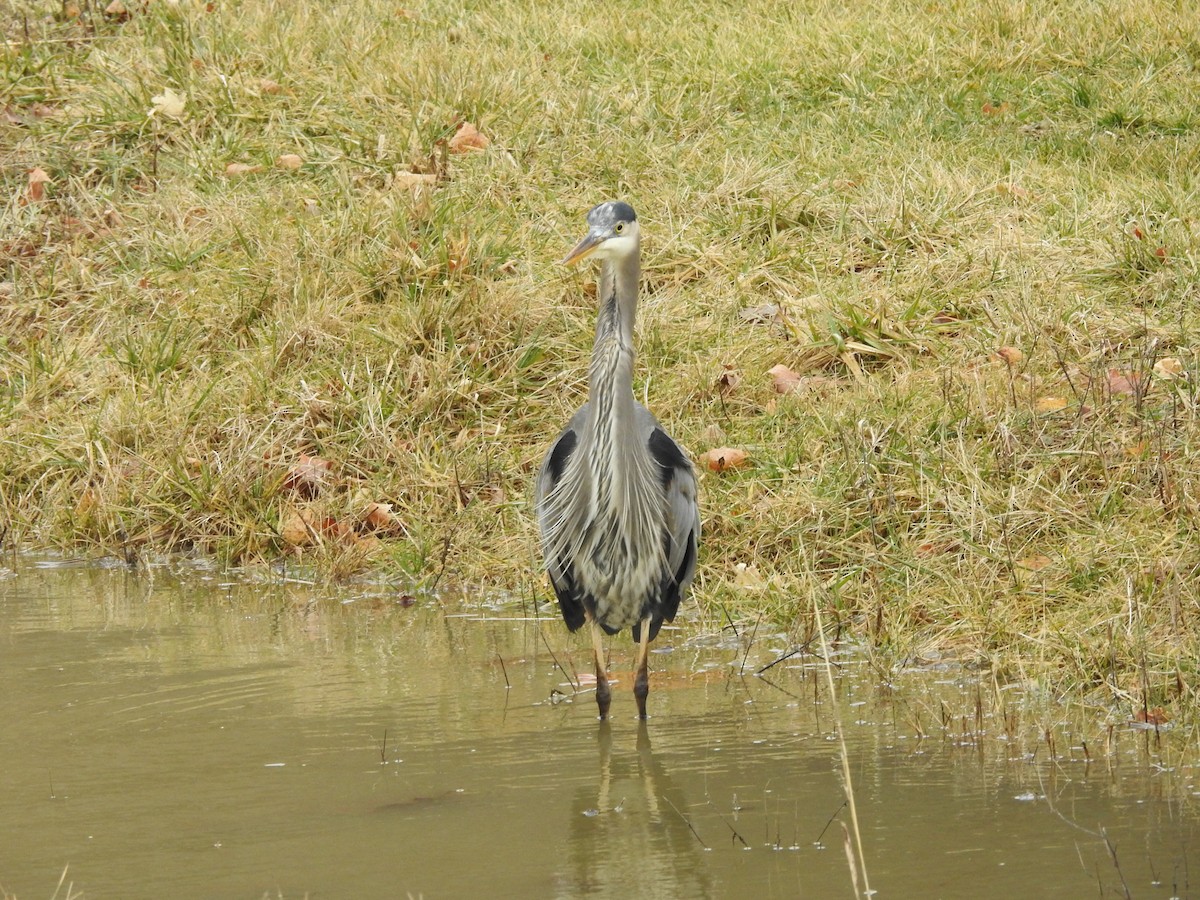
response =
{"points": [[911, 190]]}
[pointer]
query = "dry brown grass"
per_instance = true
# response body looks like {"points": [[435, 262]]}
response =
{"points": [[913, 190]]}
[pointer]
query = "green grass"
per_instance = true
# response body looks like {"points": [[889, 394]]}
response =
{"points": [[914, 189]]}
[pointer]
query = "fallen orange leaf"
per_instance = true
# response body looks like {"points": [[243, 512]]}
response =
{"points": [[305, 527], [1137, 451], [289, 161], [38, 179], [1123, 382], [379, 517], [1035, 563], [413, 180], [936, 548], [723, 458], [242, 169], [297, 531], [1050, 404], [468, 138], [308, 476], [1010, 355], [1168, 367], [783, 379], [729, 378], [1155, 716]]}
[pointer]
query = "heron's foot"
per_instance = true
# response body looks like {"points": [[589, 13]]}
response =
{"points": [[641, 690], [603, 697]]}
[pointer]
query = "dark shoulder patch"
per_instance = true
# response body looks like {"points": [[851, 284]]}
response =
{"points": [[560, 453], [667, 454]]}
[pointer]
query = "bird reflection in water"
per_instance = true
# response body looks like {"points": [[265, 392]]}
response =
{"points": [[628, 834]]}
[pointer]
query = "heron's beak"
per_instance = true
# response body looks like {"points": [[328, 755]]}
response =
{"points": [[583, 249]]}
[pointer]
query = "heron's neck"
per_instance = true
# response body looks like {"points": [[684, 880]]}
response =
{"points": [[611, 374]]}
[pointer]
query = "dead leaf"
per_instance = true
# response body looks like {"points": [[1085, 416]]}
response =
{"points": [[289, 161], [748, 578], [36, 191], [468, 138], [783, 379], [458, 253], [242, 169], [379, 517], [723, 458], [305, 527], [1035, 563], [267, 86], [1050, 404], [116, 10], [168, 103], [1010, 355], [1126, 382], [729, 378], [1161, 252], [419, 186], [760, 315], [937, 548], [995, 109], [87, 503], [309, 476], [301, 528], [1169, 367], [412, 180], [1155, 716]]}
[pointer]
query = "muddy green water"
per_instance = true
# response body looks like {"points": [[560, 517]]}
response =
{"points": [[171, 735]]}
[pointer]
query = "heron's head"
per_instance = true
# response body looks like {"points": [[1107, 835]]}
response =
{"points": [[612, 233]]}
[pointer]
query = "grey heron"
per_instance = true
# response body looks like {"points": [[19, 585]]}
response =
{"points": [[616, 496]]}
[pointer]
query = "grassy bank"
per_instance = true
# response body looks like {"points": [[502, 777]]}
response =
{"points": [[969, 228]]}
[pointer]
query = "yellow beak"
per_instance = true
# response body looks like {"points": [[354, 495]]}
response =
{"points": [[583, 249]]}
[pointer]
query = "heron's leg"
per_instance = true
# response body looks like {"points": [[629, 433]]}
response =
{"points": [[641, 681], [603, 694]]}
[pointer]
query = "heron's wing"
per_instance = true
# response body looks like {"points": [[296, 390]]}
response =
{"points": [[682, 520], [551, 519]]}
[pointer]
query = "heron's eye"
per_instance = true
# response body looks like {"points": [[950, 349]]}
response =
{"points": [[620, 227]]}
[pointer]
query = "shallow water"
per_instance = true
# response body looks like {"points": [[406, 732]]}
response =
{"points": [[170, 734]]}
